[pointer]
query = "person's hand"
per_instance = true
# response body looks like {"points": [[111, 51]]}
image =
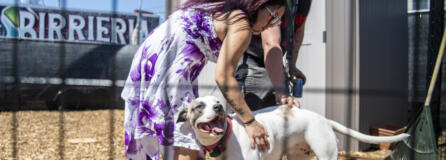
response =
{"points": [[297, 74], [286, 99], [258, 136]]}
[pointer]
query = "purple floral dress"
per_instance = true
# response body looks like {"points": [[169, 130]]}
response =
{"points": [[162, 82]]}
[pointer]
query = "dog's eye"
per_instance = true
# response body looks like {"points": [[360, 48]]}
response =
{"points": [[199, 106]]}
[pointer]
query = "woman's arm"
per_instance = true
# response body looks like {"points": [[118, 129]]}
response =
{"points": [[235, 43], [273, 58], [274, 64], [299, 36]]}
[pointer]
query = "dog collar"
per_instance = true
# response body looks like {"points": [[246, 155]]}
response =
{"points": [[219, 147]]}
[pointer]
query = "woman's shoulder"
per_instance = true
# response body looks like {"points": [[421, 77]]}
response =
{"points": [[232, 16], [233, 21], [235, 18], [238, 20]]}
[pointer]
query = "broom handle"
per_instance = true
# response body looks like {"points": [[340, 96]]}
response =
{"points": [[436, 70]]}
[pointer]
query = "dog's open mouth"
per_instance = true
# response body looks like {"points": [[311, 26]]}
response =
{"points": [[213, 127]]}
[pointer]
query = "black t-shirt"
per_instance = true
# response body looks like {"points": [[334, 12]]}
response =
{"points": [[255, 49]]}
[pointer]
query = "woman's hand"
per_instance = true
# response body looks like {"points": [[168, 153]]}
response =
{"points": [[298, 74], [257, 136], [286, 99]]}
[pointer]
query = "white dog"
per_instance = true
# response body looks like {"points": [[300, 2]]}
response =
{"points": [[297, 133]]}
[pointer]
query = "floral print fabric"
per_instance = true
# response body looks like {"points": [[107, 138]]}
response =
{"points": [[162, 82]]}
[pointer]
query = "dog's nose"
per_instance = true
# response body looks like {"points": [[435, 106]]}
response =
{"points": [[218, 108]]}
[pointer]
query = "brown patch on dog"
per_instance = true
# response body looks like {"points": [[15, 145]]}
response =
{"points": [[194, 109]]}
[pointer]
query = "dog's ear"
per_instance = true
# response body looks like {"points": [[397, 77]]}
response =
{"points": [[182, 117]]}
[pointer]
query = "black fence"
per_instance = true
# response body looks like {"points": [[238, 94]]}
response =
{"points": [[67, 76]]}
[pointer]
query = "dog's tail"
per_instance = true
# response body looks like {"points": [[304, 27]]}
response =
{"points": [[366, 138]]}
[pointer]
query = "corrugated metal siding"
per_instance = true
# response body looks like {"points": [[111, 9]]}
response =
{"points": [[383, 64], [418, 48]]}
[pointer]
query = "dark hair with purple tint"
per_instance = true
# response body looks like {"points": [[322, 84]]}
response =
{"points": [[250, 7]]}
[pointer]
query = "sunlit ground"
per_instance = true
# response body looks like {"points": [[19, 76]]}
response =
{"points": [[85, 135]]}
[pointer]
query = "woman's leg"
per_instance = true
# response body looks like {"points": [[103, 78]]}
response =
{"points": [[185, 154]]}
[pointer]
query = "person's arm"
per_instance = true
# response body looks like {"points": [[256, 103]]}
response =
{"points": [[274, 64], [301, 16], [235, 43], [299, 36]]}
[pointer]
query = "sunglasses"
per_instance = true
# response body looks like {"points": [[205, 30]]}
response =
{"points": [[275, 17]]}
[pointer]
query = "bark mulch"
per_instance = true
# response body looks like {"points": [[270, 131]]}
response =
{"points": [[62, 135], [79, 135]]}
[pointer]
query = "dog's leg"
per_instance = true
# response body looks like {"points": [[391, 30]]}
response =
{"points": [[322, 141]]}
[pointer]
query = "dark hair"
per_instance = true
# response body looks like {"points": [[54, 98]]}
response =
{"points": [[250, 7]]}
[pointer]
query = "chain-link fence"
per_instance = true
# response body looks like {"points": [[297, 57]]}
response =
{"points": [[62, 72]]}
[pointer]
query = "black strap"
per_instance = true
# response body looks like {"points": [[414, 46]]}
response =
{"points": [[243, 78], [217, 151], [289, 35], [250, 121]]}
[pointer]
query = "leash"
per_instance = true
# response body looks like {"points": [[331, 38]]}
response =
{"points": [[294, 85]]}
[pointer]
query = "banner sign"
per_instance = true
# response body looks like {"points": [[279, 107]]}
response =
{"points": [[50, 24]]}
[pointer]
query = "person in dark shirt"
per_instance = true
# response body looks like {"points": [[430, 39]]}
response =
{"points": [[262, 76]]}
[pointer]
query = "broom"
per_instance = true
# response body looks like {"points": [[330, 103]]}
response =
{"points": [[422, 145]]}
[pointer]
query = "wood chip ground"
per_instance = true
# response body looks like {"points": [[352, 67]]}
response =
{"points": [[89, 134]]}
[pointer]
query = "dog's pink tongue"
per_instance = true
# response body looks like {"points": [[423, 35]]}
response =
{"points": [[204, 127], [216, 127]]}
